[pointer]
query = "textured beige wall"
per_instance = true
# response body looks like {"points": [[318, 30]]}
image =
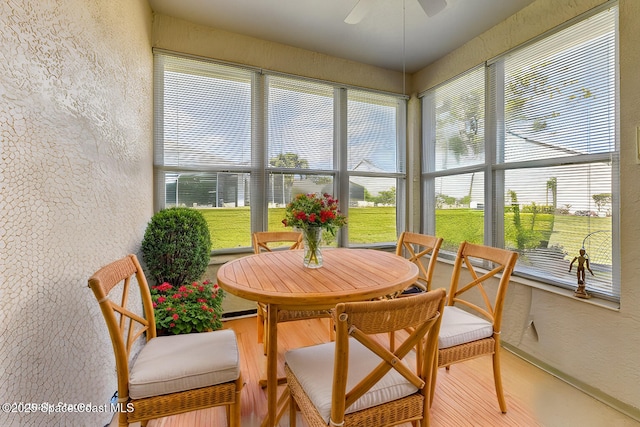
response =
{"points": [[181, 36], [594, 347], [75, 191]]}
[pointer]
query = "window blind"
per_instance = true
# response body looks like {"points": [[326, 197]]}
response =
{"points": [[300, 124], [203, 113], [523, 153], [560, 107], [238, 143], [560, 93], [203, 142], [459, 122]]}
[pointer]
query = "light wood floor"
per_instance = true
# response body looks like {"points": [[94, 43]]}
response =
{"points": [[464, 396]]}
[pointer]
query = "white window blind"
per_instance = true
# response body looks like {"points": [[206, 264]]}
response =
{"points": [[202, 149], [459, 123], [239, 143], [300, 124], [376, 164], [560, 93], [560, 107], [529, 159], [206, 113], [372, 132], [456, 114]]}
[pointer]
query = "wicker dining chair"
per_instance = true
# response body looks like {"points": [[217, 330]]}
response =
{"points": [[475, 330], [359, 381], [171, 374], [266, 241], [422, 250]]}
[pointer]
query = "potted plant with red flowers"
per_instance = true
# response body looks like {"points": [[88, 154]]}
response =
{"points": [[194, 307], [176, 250]]}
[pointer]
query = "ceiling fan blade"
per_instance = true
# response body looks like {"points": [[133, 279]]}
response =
{"points": [[432, 7], [358, 12]]}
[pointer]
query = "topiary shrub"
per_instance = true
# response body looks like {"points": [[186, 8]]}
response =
{"points": [[177, 246]]}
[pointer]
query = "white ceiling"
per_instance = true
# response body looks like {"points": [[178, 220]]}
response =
{"points": [[378, 39]]}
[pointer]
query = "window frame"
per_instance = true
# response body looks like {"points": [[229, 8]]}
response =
{"points": [[259, 169], [494, 166]]}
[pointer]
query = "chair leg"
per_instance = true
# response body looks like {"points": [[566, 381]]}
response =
{"points": [[260, 325], [420, 354], [497, 377], [293, 410], [265, 337], [122, 420], [434, 377], [426, 414], [234, 414], [234, 409]]}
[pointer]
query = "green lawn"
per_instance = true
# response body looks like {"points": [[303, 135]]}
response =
{"points": [[456, 225], [569, 233], [231, 227]]}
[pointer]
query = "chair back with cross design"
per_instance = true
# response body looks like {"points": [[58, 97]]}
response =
{"points": [[151, 385], [369, 382], [422, 250]]}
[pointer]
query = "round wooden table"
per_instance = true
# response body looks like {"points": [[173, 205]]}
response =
{"points": [[279, 280]]}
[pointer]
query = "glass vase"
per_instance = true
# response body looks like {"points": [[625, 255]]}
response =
{"points": [[312, 253]]}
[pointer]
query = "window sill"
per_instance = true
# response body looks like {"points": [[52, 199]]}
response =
{"points": [[595, 301], [599, 302]]}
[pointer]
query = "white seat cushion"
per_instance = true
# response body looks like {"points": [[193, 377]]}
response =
{"points": [[459, 327], [176, 363], [313, 367]]}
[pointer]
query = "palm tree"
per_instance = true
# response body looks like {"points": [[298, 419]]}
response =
{"points": [[552, 185], [466, 109]]}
